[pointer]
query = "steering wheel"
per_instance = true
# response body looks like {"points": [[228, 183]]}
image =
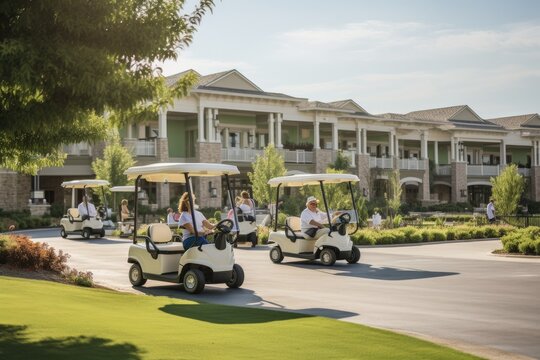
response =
{"points": [[344, 218], [225, 226]]}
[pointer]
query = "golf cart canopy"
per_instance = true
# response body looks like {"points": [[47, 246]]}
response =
{"points": [[81, 184], [174, 172], [312, 179], [124, 188]]}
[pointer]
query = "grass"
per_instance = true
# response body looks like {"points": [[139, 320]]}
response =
{"points": [[46, 320]]}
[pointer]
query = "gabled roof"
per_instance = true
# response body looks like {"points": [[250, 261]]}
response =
{"points": [[517, 121], [348, 104], [459, 113], [172, 79], [319, 105]]}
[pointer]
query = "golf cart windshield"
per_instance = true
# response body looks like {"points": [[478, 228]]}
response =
{"points": [[82, 184]]}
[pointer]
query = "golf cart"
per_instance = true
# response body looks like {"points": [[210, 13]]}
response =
{"points": [[73, 223], [161, 255], [126, 227], [336, 245], [247, 229]]}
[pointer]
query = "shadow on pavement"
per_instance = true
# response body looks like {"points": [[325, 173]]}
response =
{"points": [[368, 271]]}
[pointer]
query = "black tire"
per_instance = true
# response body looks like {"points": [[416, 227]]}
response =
{"points": [[194, 281], [328, 257], [63, 233], [102, 233], [252, 238], [86, 233], [237, 278], [136, 275], [355, 255], [276, 255]]}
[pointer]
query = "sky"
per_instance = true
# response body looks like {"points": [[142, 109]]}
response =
{"points": [[388, 56]]}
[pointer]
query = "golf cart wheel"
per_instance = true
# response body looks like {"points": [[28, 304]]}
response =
{"points": [[237, 278], [252, 238], [355, 255], [63, 233], [102, 233], [86, 233], [276, 255], [136, 276], [194, 281], [328, 257]]}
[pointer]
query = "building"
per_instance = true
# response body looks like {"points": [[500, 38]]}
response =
{"points": [[444, 154]]}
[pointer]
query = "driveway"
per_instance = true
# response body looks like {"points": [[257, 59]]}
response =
{"points": [[453, 293]]}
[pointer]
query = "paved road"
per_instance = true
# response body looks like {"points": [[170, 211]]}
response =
{"points": [[455, 293]]}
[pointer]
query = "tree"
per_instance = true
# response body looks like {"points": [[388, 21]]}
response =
{"points": [[63, 64], [507, 189], [341, 162], [266, 166], [393, 199]]}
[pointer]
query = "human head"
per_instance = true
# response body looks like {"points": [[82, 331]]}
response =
{"points": [[169, 210], [124, 202], [238, 200], [183, 203], [85, 198], [244, 194], [492, 200], [312, 200]]}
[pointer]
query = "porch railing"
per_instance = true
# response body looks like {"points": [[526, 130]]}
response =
{"points": [[412, 164], [246, 154], [381, 163], [145, 148], [524, 171], [443, 170], [79, 149], [297, 156], [482, 170]]}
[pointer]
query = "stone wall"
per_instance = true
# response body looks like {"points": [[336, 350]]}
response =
{"points": [[535, 183], [208, 153], [322, 159], [426, 196], [459, 181], [14, 190], [363, 173]]}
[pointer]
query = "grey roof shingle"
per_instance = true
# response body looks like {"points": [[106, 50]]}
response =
{"points": [[512, 122], [440, 114]]}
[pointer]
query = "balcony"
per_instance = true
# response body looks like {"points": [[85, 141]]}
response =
{"points": [[482, 170], [380, 163], [79, 149], [297, 156], [524, 172], [145, 148], [249, 155], [412, 164], [350, 155], [443, 170]]}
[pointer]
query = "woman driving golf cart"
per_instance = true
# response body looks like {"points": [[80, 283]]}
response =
{"points": [[186, 221]]}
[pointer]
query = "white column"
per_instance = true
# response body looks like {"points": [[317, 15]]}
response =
{"points": [[201, 124], [209, 125], [358, 139], [279, 118], [396, 146], [316, 136], [423, 145], [334, 137], [364, 141], [162, 124], [436, 152], [226, 137], [536, 159], [216, 125], [452, 150], [252, 132], [503, 153], [270, 128], [391, 143]]}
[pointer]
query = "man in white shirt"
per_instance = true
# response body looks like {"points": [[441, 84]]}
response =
{"points": [[86, 209], [490, 211], [312, 219]]}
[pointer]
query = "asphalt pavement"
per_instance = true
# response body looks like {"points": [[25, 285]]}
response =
{"points": [[455, 293]]}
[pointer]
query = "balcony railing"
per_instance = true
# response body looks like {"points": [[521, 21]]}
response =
{"points": [[297, 156], [351, 156], [482, 170], [145, 148], [412, 164], [79, 149], [524, 171], [381, 163], [443, 170], [234, 154]]}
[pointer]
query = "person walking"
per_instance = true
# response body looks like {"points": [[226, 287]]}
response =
{"points": [[490, 211]]}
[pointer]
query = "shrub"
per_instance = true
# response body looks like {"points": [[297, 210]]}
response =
{"points": [[478, 233], [79, 278], [415, 237], [491, 232], [438, 235], [463, 234], [57, 210], [262, 234], [451, 234], [426, 235], [26, 254], [217, 215]]}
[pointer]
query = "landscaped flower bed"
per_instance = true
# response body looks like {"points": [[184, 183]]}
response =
{"points": [[522, 241]]}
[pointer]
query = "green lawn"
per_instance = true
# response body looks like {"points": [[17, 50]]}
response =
{"points": [[45, 320]]}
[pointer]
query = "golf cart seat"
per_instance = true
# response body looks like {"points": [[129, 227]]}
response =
{"points": [[162, 236], [73, 215], [293, 229]]}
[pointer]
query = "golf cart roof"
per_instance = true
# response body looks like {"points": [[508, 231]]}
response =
{"points": [[311, 179], [81, 184], [124, 188], [174, 172]]}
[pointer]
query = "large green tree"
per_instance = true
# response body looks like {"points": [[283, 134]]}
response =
{"points": [[266, 166], [65, 63], [507, 189]]}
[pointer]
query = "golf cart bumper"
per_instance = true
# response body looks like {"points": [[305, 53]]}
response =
{"points": [[220, 277], [343, 255]]}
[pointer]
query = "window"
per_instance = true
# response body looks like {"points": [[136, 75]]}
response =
{"points": [[508, 158]]}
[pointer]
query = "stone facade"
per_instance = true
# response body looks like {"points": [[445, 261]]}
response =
{"points": [[14, 190], [459, 182], [162, 190], [206, 152], [535, 183], [364, 174], [322, 159], [426, 196]]}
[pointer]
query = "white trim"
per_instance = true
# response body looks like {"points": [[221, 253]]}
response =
{"points": [[229, 73], [471, 183], [410, 179], [442, 183]]}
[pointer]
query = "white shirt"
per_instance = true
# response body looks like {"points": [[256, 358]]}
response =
{"points": [[170, 219], [308, 215], [376, 218], [246, 210], [490, 211], [91, 209], [185, 218]]}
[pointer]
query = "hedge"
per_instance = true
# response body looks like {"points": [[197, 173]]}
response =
{"points": [[522, 241]]}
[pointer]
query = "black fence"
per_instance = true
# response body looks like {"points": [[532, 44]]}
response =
{"points": [[520, 220]]}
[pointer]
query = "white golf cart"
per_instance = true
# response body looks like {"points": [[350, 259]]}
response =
{"points": [[86, 226], [161, 255], [336, 245], [247, 229], [126, 226]]}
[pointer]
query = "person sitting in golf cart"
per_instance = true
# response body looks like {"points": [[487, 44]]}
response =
{"points": [[86, 209], [172, 217], [125, 214], [249, 206], [204, 226], [312, 219]]}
